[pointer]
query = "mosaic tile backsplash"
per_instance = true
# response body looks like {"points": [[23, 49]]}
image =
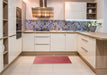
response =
{"points": [[48, 25]]}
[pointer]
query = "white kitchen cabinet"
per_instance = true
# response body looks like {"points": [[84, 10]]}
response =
{"points": [[1, 16], [12, 17], [58, 42], [28, 42], [92, 52], [42, 42], [19, 45], [1, 61], [87, 48], [1, 55], [58, 7], [75, 10], [71, 42], [12, 48]]}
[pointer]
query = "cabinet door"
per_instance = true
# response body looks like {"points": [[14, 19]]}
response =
{"points": [[42, 42], [71, 42], [75, 10], [87, 48], [12, 48], [92, 52], [1, 55], [58, 42], [28, 42], [12, 17], [1, 10], [19, 45]]}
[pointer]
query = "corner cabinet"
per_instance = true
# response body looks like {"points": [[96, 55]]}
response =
{"points": [[58, 41], [87, 49], [75, 10]]}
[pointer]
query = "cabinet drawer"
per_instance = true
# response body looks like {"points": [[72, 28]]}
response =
{"points": [[84, 40], [42, 40], [42, 47], [84, 51]]}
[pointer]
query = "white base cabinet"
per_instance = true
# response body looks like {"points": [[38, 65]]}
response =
{"points": [[87, 48], [71, 42], [1, 61], [28, 42], [58, 41], [19, 45], [42, 42], [15, 48], [1, 55], [49, 42], [12, 48]]}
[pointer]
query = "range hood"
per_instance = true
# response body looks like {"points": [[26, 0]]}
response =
{"points": [[43, 11]]}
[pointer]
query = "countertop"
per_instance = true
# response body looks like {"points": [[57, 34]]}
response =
{"points": [[96, 35]]}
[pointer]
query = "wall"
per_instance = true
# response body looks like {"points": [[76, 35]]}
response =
{"points": [[105, 16], [29, 5], [23, 15], [100, 9], [57, 4], [19, 3], [100, 13], [48, 25]]}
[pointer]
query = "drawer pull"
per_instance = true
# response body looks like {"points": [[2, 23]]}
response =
{"points": [[42, 44], [42, 36], [84, 49], [84, 40]]}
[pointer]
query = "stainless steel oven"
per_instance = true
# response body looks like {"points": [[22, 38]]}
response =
{"points": [[18, 23]]}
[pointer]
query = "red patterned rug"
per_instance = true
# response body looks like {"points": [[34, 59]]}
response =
{"points": [[51, 59]]}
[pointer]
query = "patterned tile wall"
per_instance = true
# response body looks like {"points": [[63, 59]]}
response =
{"points": [[48, 25]]}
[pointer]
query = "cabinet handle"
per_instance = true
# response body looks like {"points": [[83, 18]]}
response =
{"points": [[42, 36], [85, 40], [42, 44], [84, 49], [12, 35]]}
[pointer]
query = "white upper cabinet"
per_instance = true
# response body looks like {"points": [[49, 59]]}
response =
{"points": [[1, 10], [58, 42], [75, 10], [28, 42], [71, 42], [58, 6], [12, 17]]}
